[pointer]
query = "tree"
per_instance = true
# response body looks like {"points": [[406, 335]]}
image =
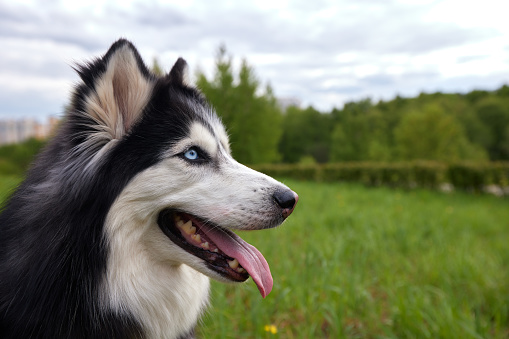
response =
{"points": [[494, 113], [156, 67], [306, 133], [341, 147], [361, 133], [432, 134], [253, 120]]}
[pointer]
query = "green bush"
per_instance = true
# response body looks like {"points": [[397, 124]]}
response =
{"points": [[308, 172], [405, 174], [15, 159], [476, 176], [428, 174]]}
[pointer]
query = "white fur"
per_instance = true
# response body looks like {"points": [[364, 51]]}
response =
{"points": [[186, 79], [119, 97], [145, 277], [200, 136], [149, 276]]}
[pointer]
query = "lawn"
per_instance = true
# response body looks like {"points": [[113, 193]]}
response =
{"points": [[7, 185], [354, 262]]}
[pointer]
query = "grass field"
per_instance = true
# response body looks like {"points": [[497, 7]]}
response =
{"points": [[7, 185], [353, 262]]}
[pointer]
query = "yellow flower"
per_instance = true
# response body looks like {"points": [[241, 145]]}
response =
{"points": [[271, 328]]}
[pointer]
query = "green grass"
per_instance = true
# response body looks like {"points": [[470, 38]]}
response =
{"points": [[353, 262], [7, 185]]}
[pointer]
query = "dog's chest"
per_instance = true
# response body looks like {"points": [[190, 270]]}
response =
{"points": [[166, 306]]}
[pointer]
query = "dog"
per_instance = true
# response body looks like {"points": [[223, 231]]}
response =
{"points": [[129, 210]]}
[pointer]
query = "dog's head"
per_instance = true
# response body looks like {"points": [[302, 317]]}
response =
{"points": [[183, 193]]}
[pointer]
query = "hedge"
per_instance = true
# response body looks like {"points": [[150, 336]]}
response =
{"points": [[428, 174], [16, 158], [478, 176]]}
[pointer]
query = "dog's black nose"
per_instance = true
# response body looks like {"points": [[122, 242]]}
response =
{"points": [[287, 200]]}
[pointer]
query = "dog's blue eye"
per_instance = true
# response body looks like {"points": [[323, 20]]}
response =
{"points": [[191, 154]]}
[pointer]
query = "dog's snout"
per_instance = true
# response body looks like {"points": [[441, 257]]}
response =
{"points": [[287, 200]]}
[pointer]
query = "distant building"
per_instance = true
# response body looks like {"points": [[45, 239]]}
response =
{"points": [[13, 131]]}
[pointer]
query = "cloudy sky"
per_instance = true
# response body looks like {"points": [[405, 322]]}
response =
{"points": [[323, 52]]}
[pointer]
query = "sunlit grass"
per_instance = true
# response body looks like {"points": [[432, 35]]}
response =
{"points": [[353, 262], [7, 186]]}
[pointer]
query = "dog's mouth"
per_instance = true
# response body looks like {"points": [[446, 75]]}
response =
{"points": [[222, 250]]}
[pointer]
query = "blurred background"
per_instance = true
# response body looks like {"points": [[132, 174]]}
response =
{"points": [[389, 118], [329, 80]]}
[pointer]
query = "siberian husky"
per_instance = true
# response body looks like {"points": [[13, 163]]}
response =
{"points": [[129, 210]]}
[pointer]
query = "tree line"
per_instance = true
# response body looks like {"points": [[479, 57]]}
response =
{"points": [[437, 126]]}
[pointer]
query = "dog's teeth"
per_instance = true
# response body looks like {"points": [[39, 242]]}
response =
{"points": [[215, 250], [196, 237], [241, 270], [205, 245], [233, 263], [188, 227], [180, 223]]}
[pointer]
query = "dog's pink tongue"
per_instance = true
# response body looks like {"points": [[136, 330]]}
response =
{"points": [[247, 255]]}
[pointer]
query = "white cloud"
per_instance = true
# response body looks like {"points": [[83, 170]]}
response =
{"points": [[324, 52]]}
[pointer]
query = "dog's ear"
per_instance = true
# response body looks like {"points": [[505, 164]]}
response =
{"points": [[120, 87], [179, 73]]}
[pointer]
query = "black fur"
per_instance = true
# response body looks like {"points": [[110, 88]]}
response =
{"points": [[52, 251]]}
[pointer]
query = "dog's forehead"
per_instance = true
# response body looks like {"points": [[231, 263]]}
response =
{"points": [[201, 135], [208, 135], [220, 132]]}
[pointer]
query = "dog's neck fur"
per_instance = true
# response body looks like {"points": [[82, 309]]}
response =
{"points": [[165, 298]]}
